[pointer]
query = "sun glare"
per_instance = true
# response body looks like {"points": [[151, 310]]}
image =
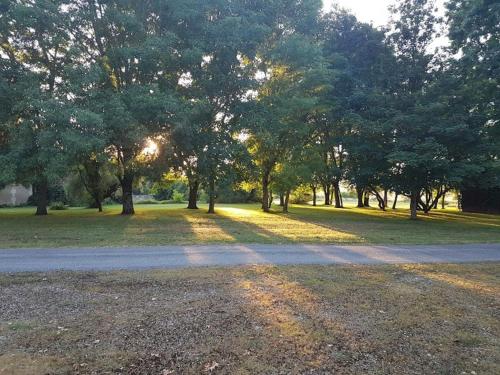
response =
{"points": [[151, 148]]}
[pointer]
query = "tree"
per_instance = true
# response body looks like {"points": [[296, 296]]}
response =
{"points": [[135, 58], [36, 50], [352, 134], [277, 120], [475, 35], [416, 154]]}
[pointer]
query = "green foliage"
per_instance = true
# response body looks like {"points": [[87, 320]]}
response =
{"points": [[301, 195], [58, 206], [261, 94], [164, 190], [178, 197]]}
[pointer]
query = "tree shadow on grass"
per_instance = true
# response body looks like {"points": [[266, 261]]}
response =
{"points": [[287, 228], [292, 330], [225, 228]]}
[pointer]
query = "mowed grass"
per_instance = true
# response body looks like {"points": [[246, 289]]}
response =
{"points": [[173, 224], [404, 319]]}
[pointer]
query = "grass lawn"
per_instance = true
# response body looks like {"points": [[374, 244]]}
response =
{"points": [[173, 224], [413, 319]]}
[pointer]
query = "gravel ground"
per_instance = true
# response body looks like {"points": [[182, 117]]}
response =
{"points": [[399, 319]]}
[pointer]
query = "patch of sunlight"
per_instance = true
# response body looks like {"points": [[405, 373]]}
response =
{"points": [[206, 228], [286, 228], [290, 309], [20, 364], [453, 280], [235, 212]]}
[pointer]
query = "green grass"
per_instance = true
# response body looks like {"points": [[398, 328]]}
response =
{"points": [[173, 224]]}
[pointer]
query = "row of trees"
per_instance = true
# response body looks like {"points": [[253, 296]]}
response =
{"points": [[273, 93]]}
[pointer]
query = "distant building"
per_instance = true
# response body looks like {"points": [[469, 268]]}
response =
{"points": [[15, 195]]}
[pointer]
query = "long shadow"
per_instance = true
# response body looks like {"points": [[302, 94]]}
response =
{"points": [[447, 278], [292, 318], [240, 229]]}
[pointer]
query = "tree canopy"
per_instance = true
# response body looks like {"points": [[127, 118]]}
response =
{"points": [[273, 94]]}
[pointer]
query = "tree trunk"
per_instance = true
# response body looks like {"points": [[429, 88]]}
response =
{"points": [[287, 199], [326, 190], [443, 203], [314, 196], [380, 199], [386, 198], [193, 194], [360, 192], [413, 206], [271, 198], [98, 204], [127, 201], [211, 195], [394, 204], [265, 191], [282, 199], [42, 195], [366, 202], [337, 196]]}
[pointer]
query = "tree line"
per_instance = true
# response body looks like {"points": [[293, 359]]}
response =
{"points": [[274, 93]]}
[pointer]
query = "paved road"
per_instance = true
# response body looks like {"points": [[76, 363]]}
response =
{"points": [[135, 258]]}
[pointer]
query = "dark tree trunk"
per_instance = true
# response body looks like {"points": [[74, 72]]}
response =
{"points": [[127, 200], [314, 195], [380, 199], [98, 204], [336, 195], [193, 194], [326, 190], [366, 202], [282, 199], [443, 203], [413, 205], [386, 198], [360, 192], [394, 204], [42, 197], [211, 195], [271, 198], [265, 191], [287, 200]]}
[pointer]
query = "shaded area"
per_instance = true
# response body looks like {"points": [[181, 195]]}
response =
{"points": [[409, 319]]}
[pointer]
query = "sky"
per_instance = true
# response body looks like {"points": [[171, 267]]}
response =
{"points": [[370, 11]]}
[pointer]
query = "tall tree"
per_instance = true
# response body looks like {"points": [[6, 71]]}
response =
{"points": [[474, 31], [412, 33], [136, 58], [36, 49], [351, 135]]}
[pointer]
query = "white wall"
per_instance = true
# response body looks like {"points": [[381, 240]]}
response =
{"points": [[14, 195]]}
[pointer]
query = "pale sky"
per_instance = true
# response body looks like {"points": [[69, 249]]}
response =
{"points": [[369, 10]]}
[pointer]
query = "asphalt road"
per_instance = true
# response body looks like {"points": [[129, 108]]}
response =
{"points": [[136, 258]]}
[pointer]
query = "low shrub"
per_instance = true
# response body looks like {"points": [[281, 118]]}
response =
{"points": [[58, 206], [177, 197]]}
